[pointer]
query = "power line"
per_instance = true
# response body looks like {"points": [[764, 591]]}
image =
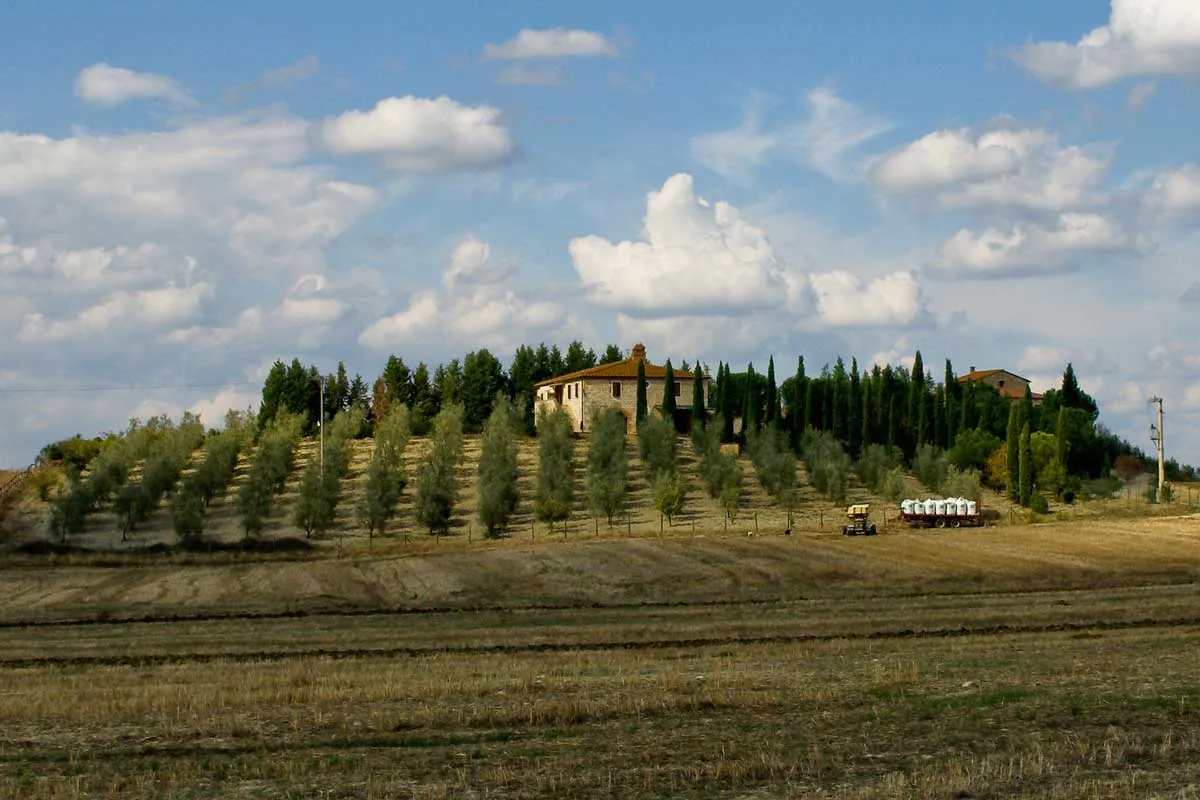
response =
{"points": [[121, 387]]}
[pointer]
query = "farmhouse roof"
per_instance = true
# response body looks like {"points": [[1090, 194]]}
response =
{"points": [[624, 369], [1011, 392]]}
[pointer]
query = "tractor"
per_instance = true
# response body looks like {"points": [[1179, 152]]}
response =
{"points": [[859, 526]]}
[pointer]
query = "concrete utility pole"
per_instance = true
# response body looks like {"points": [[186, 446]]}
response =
{"points": [[1156, 436]]}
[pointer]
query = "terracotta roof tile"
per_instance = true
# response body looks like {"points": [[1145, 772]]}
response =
{"points": [[626, 369]]}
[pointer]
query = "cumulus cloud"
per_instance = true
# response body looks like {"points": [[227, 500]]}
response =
{"points": [[551, 43], [1030, 248], [833, 129], [847, 300], [1142, 37], [416, 134], [1175, 192], [693, 255], [1003, 169], [148, 307], [108, 86], [475, 307]]}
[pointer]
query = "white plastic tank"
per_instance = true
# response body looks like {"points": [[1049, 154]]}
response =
{"points": [[960, 506], [971, 507], [930, 507], [939, 507]]}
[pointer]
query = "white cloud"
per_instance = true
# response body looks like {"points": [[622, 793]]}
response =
{"points": [[525, 75], [1175, 192], [475, 307], [551, 43], [152, 307], [212, 410], [1142, 37], [900, 353], [1006, 168], [846, 300], [415, 134], [1030, 248], [279, 77], [471, 265], [108, 86], [692, 256], [233, 183], [834, 128]]}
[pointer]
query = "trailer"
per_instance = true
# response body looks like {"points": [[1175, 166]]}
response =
{"points": [[952, 513]]}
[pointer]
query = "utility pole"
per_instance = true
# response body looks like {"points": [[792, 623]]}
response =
{"points": [[321, 429], [1156, 436]]}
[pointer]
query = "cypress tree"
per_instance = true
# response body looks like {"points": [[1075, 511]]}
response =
{"points": [[893, 422], [726, 409], [1012, 451], [812, 410], [698, 410], [855, 411], [641, 392], [1072, 396], [1025, 466], [939, 418], [750, 404], [668, 403], [772, 393], [1028, 413], [866, 438], [916, 390], [966, 419], [950, 395], [799, 405]]}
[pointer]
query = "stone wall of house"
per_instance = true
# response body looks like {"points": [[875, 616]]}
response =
{"points": [[596, 393]]}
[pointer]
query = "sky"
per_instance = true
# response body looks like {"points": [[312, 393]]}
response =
{"points": [[188, 193]]}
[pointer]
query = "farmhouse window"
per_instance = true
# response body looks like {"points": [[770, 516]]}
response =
{"points": [[568, 391], [676, 389], [616, 389]]}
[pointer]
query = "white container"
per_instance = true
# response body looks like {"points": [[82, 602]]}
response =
{"points": [[906, 506], [971, 507], [939, 507]]}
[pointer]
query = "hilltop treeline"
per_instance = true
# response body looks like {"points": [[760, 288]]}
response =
{"points": [[946, 430]]}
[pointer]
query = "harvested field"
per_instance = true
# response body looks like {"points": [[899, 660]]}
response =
{"points": [[1050, 661]]}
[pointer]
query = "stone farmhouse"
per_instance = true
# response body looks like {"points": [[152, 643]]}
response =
{"points": [[583, 392], [1010, 385]]}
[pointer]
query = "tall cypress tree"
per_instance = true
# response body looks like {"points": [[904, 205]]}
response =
{"points": [[855, 411], [641, 392], [966, 417], [1025, 466], [772, 393], [669, 402], [811, 410], [699, 411], [799, 405], [750, 404], [726, 408], [939, 418], [1012, 451], [950, 397], [916, 392], [893, 422], [1028, 414], [866, 438]]}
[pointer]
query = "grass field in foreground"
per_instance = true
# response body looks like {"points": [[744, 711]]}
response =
{"points": [[1089, 694]]}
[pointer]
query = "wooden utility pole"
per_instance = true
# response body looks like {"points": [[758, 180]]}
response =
{"points": [[1156, 436]]}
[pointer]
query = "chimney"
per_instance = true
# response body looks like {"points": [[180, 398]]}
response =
{"points": [[639, 352], [972, 368]]}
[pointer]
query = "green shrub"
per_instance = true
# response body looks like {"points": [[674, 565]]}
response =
{"points": [[1038, 503]]}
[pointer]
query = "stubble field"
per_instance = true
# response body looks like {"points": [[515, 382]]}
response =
{"points": [[1049, 661]]}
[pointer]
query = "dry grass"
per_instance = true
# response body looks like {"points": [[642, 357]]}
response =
{"points": [[1051, 660], [1111, 714]]}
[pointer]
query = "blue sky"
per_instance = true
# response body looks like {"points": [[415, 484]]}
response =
{"points": [[187, 194]]}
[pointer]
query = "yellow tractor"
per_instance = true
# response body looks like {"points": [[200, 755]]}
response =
{"points": [[858, 514]]}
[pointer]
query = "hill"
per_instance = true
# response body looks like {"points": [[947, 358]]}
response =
{"points": [[701, 514]]}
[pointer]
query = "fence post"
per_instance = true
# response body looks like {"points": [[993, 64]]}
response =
{"points": [[628, 524], [756, 522], [822, 519]]}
